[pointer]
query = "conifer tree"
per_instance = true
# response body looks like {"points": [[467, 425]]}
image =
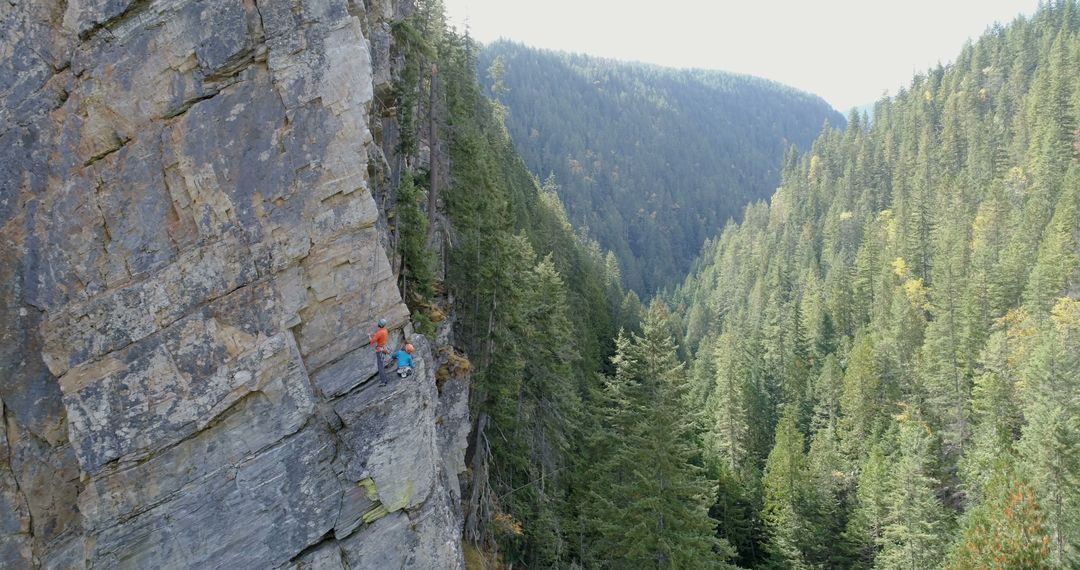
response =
{"points": [[1050, 445], [736, 512], [412, 226], [945, 370], [995, 405], [866, 398], [654, 494], [866, 528], [831, 480], [728, 408], [792, 509], [828, 390], [1059, 253], [548, 409], [916, 524], [902, 332]]}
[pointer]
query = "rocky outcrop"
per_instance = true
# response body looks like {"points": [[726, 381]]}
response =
{"points": [[190, 263]]}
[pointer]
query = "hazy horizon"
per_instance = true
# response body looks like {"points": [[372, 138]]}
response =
{"points": [[848, 52]]}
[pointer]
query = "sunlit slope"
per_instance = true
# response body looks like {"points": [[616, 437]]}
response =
{"points": [[887, 353]]}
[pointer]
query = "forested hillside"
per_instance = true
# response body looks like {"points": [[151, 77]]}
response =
{"points": [[877, 369], [887, 355], [650, 161], [534, 307]]}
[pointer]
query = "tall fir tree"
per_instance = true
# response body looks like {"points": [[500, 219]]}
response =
{"points": [[914, 535], [1050, 445], [793, 504], [865, 530], [867, 398], [652, 477], [728, 410]]}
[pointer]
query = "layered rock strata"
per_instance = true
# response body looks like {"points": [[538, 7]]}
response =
{"points": [[189, 268]]}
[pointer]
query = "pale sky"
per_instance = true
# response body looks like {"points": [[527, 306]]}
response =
{"points": [[849, 52]]}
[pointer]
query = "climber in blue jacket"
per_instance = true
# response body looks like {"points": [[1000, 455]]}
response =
{"points": [[404, 361]]}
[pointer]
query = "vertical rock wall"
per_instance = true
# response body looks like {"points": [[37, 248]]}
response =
{"points": [[189, 269]]}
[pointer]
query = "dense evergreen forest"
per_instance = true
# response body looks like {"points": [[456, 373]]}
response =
{"points": [[650, 161], [877, 369], [887, 355], [533, 307]]}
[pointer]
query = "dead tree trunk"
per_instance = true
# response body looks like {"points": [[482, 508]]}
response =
{"points": [[433, 146], [477, 515]]}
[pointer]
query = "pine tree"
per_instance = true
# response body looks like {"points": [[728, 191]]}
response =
{"points": [[914, 536], [984, 299], [995, 405], [737, 512], [548, 410], [631, 312], [728, 407], [792, 510], [866, 528], [1050, 445], [828, 391], [945, 370], [655, 494], [1059, 253], [831, 480], [606, 474], [412, 227], [902, 333], [866, 398]]}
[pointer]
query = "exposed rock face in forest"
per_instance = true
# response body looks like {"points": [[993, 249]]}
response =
{"points": [[190, 267]]}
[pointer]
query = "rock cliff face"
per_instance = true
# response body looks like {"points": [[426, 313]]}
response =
{"points": [[190, 263]]}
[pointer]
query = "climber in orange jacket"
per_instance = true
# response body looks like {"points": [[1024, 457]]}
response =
{"points": [[379, 340], [380, 337]]}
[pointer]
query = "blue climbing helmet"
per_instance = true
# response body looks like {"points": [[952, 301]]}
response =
{"points": [[382, 323]]}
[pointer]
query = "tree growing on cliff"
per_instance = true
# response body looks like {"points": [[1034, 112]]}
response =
{"points": [[416, 257], [515, 274]]}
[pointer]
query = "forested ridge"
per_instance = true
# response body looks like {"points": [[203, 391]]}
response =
{"points": [[887, 355], [650, 161], [876, 369]]}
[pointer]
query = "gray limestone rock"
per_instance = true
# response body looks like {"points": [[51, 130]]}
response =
{"points": [[325, 556], [386, 543], [14, 512], [191, 263], [453, 426], [390, 432], [256, 512]]}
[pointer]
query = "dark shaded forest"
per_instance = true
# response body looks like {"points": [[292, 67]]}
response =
{"points": [[649, 161], [533, 306]]}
